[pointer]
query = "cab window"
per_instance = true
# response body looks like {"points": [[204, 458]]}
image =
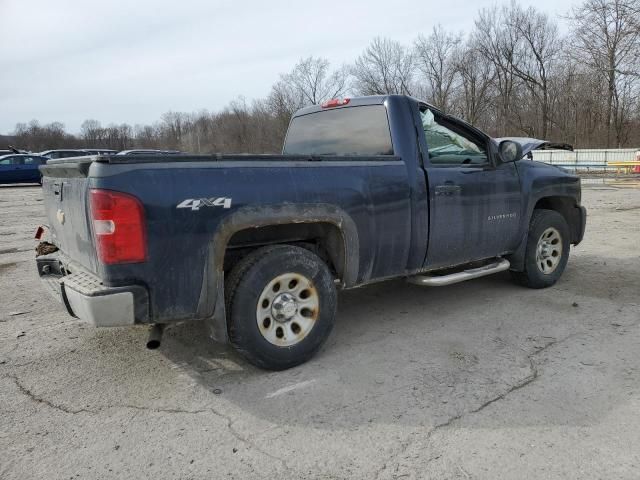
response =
{"points": [[450, 146]]}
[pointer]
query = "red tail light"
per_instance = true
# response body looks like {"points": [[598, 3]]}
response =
{"points": [[118, 227], [336, 102]]}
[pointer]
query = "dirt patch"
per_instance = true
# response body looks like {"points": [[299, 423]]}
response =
{"points": [[7, 266], [45, 248]]}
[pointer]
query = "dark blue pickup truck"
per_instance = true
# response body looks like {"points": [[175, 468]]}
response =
{"points": [[366, 189]]}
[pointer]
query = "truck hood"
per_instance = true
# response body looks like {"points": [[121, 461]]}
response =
{"points": [[530, 144]]}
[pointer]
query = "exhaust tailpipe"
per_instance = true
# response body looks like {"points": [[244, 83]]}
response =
{"points": [[155, 336]]}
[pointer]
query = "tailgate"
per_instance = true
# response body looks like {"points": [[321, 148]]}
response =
{"points": [[64, 188]]}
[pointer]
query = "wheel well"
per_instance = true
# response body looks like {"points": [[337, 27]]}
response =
{"points": [[562, 205], [323, 238], [565, 206]]}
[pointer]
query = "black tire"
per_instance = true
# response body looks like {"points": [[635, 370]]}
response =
{"points": [[248, 281], [533, 276]]}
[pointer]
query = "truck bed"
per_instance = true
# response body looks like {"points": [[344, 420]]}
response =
{"points": [[356, 190]]}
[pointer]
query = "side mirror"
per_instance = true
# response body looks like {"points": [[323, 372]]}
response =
{"points": [[510, 151]]}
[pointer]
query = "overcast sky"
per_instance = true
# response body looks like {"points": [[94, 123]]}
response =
{"points": [[132, 60]]}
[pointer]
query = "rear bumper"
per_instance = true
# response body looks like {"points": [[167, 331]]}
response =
{"points": [[86, 298]]}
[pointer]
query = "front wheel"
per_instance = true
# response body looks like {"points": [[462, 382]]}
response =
{"points": [[547, 250], [281, 306]]}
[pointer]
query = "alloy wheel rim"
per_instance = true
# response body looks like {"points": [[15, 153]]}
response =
{"points": [[549, 251], [287, 309]]}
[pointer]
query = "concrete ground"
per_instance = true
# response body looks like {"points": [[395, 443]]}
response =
{"points": [[483, 380]]}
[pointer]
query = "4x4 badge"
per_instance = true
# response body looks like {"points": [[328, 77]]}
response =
{"points": [[195, 204]]}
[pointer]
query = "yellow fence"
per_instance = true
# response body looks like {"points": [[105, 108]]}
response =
{"points": [[626, 167]]}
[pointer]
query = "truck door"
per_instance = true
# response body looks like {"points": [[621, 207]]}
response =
{"points": [[474, 198]]}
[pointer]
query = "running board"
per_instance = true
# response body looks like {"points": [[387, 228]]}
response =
{"points": [[442, 280]]}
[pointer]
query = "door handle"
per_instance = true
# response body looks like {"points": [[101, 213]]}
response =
{"points": [[448, 189]]}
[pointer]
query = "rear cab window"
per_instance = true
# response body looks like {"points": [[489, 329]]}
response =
{"points": [[348, 131]]}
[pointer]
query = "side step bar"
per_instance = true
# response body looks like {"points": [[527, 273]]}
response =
{"points": [[442, 280]]}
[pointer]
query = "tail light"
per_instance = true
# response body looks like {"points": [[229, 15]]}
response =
{"points": [[336, 102], [118, 226]]}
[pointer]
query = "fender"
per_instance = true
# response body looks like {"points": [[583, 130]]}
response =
{"points": [[212, 306], [575, 215]]}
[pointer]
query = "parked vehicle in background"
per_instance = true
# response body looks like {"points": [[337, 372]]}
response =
{"points": [[11, 150], [54, 154], [99, 151], [21, 168], [149, 152], [366, 189]]}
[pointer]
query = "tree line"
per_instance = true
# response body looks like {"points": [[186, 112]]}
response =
{"points": [[514, 74]]}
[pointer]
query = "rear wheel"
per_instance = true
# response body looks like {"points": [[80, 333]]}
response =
{"points": [[547, 250], [281, 305]]}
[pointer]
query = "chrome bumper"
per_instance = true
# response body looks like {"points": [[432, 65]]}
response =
{"points": [[86, 298]]}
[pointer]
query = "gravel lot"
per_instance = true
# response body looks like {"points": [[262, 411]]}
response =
{"points": [[483, 379]]}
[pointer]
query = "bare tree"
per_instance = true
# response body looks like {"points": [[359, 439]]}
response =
{"points": [[125, 134], [626, 99], [39, 137], [146, 136], [606, 36], [314, 81], [534, 53], [476, 79], [385, 67], [495, 44], [284, 99], [310, 82], [172, 128], [524, 46], [92, 132], [437, 58]]}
